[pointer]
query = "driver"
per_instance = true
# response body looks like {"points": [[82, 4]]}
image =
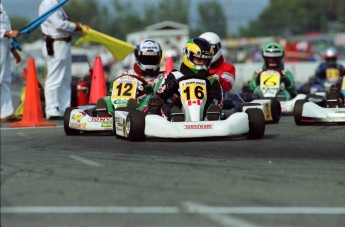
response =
{"points": [[273, 54], [196, 61], [225, 70], [148, 55], [330, 70]]}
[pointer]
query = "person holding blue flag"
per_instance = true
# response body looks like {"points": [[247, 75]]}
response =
{"points": [[6, 33], [57, 31]]}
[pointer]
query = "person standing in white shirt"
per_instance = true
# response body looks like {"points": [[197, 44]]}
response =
{"points": [[57, 30], [6, 33]]}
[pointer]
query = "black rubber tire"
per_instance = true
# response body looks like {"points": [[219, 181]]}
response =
{"points": [[136, 118], [256, 123], [276, 110], [101, 104], [297, 112], [69, 131]]}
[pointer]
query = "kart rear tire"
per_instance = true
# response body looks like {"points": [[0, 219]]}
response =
{"points": [[297, 112], [136, 119], [102, 108], [256, 123], [67, 115]]}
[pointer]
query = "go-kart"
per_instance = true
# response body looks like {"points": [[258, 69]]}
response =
{"points": [[134, 125], [322, 86], [318, 109], [98, 117], [273, 95]]}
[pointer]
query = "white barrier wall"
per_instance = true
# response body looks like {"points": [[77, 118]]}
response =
{"points": [[302, 71]]}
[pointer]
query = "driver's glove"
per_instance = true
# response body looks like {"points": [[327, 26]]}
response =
{"points": [[148, 89]]}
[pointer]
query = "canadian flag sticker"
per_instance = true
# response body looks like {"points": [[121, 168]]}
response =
{"points": [[194, 102]]}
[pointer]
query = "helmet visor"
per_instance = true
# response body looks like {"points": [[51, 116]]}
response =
{"points": [[149, 58], [200, 59]]}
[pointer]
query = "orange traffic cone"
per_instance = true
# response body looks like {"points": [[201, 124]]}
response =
{"points": [[32, 114], [98, 85], [169, 64]]}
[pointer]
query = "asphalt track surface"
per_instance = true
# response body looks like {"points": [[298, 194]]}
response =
{"points": [[294, 176]]}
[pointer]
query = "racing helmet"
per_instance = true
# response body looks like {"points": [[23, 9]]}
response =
{"points": [[273, 54], [197, 55], [215, 42], [331, 54], [148, 55]]}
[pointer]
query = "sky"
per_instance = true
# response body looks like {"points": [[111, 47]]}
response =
{"points": [[238, 12]]}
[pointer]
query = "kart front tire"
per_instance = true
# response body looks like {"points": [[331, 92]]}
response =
{"points": [[276, 110], [297, 112], [256, 123], [67, 115], [136, 127]]}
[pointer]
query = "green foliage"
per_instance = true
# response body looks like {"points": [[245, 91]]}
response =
{"points": [[213, 18], [292, 17], [19, 22], [177, 10]]}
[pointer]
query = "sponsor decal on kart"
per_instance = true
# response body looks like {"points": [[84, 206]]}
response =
{"points": [[83, 125], [199, 126], [269, 79], [267, 111], [124, 127], [107, 125], [194, 102], [118, 120], [75, 125], [120, 102], [332, 75], [101, 119], [77, 117]]}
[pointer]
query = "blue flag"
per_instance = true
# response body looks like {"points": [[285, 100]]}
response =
{"points": [[39, 20], [35, 23]]}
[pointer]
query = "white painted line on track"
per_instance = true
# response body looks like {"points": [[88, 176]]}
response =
{"points": [[87, 209], [175, 210], [221, 219], [85, 161], [22, 134], [40, 127]]}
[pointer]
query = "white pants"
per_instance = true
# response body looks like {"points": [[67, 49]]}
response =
{"points": [[5, 79], [57, 90]]}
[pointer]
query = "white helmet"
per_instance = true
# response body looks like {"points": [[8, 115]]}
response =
{"points": [[148, 55], [331, 54], [215, 42]]}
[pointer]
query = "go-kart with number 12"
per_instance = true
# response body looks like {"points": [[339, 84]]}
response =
{"points": [[99, 117]]}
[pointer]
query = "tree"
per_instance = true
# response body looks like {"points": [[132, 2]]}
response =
{"points": [[85, 11], [177, 11], [293, 17], [212, 19], [123, 21], [20, 22]]}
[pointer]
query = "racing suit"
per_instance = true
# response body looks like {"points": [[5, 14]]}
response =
{"points": [[226, 73], [330, 72], [169, 89], [286, 78], [142, 90]]}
